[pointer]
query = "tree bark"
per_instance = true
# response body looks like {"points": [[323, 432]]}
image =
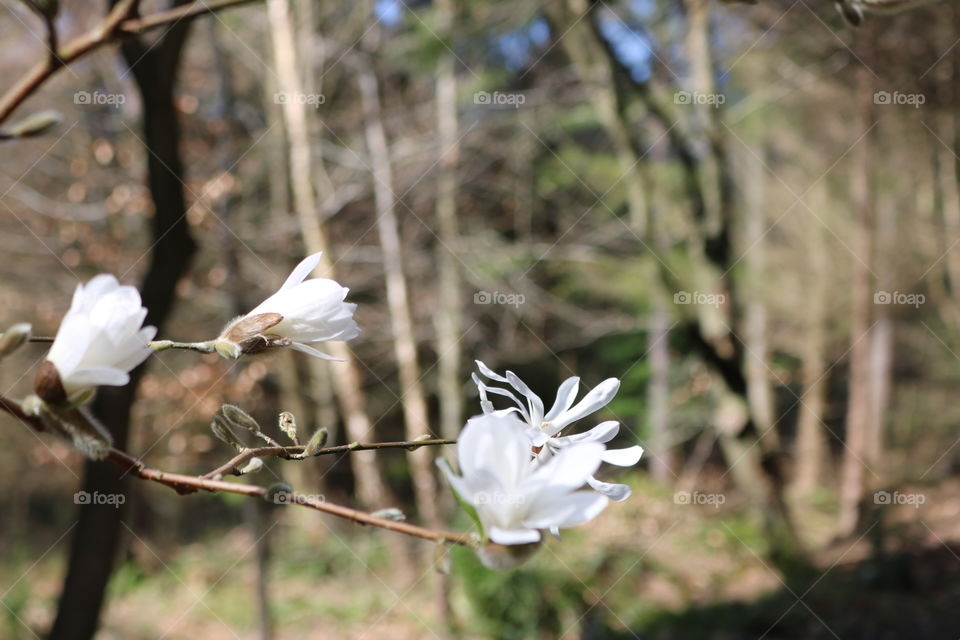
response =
{"points": [[371, 489], [413, 397], [449, 386], [859, 418], [811, 447], [98, 531]]}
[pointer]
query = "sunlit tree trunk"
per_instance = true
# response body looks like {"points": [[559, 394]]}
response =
{"points": [[345, 376], [859, 418], [759, 392], [413, 397], [811, 448], [448, 322], [881, 335]]}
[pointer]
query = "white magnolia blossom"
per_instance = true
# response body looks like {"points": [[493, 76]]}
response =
{"points": [[301, 312], [513, 498], [101, 338], [544, 427]]}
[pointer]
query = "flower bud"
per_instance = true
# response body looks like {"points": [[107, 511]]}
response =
{"points": [[239, 418], [288, 425], [248, 333], [14, 338], [221, 429], [254, 465], [390, 513], [48, 386], [317, 440]]}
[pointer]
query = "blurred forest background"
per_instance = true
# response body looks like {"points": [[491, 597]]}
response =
{"points": [[748, 214]]}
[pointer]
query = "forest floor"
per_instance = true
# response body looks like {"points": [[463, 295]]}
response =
{"points": [[652, 567]]}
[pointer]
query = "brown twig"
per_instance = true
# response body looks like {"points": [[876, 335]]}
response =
{"points": [[188, 484], [232, 465], [119, 23], [184, 483]]}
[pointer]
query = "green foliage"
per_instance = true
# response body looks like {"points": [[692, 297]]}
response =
{"points": [[534, 601]]}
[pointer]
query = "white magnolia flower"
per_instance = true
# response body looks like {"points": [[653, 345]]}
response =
{"points": [[544, 427], [99, 341], [301, 312], [514, 499]]}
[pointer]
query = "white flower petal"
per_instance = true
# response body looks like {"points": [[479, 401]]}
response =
{"points": [[571, 467], [490, 373], [534, 403], [566, 394], [100, 338], [302, 270], [623, 457], [310, 351], [599, 397], [603, 432], [513, 536], [96, 376], [616, 492], [564, 510]]}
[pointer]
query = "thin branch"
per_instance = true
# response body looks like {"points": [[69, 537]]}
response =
{"points": [[184, 484], [117, 24], [289, 453], [188, 484]]}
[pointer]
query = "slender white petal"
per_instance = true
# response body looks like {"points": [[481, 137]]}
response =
{"points": [[490, 373], [566, 394], [603, 432], [302, 270], [623, 457], [616, 492], [599, 397], [310, 351], [534, 403]]}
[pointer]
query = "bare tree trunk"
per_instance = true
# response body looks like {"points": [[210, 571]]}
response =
{"points": [[811, 447], [97, 534], [449, 328], [371, 489], [398, 299], [662, 460], [859, 418], [759, 392], [881, 335]]}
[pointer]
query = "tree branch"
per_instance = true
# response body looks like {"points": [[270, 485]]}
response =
{"points": [[288, 453], [184, 483], [119, 23]]}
